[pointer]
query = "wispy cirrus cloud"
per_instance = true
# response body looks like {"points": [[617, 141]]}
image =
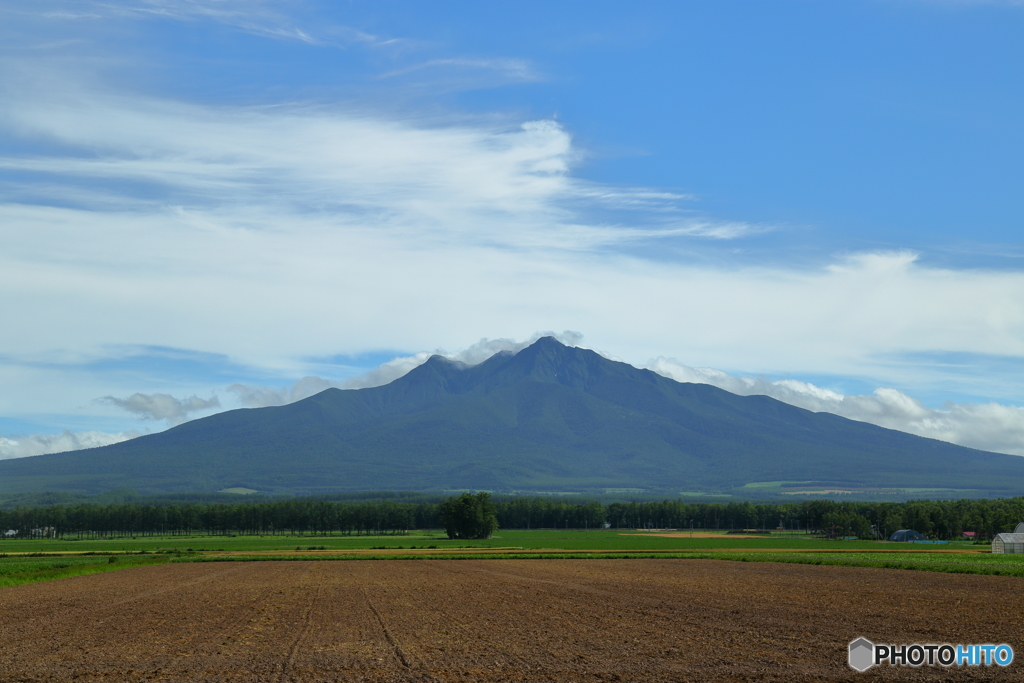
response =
{"points": [[507, 69], [265, 18], [719, 230], [615, 198], [258, 16], [71, 16], [508, 185]]}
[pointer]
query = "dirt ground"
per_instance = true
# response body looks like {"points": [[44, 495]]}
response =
{"points": [[497, 620]]}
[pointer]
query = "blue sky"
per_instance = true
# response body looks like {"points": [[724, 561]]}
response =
{"points": [[203, 203]]}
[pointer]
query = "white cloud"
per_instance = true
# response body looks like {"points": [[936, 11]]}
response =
{"points": [[38, 444], [387, 372], [162, 406], [990, 427], [259, 396]]}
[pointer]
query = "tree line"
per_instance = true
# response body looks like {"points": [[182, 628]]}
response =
{"points": [[934, 519]]}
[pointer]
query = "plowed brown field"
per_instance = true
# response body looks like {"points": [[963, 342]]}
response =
{"points": [[496, 620]]}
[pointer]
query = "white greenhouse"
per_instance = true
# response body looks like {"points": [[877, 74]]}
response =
{"points": [[1008, 543]]}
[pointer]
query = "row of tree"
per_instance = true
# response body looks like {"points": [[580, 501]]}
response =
{"points": [[935, 519]]}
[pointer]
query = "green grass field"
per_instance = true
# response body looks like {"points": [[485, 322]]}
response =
{"points": [[536, 539], [26, 561]]}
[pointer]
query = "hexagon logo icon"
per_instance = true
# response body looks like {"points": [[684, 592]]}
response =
{"points": [[862, 654]]}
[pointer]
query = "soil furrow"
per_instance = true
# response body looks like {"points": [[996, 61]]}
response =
{"points": [[387, 633]]}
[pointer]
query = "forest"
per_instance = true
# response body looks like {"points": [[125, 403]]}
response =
{"points": [[940, 520]]}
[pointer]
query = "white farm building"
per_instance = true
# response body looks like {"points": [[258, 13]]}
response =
{"points": [[1009, 543]]}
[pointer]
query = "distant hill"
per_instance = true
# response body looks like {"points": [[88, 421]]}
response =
{"points": [[549, 418]]}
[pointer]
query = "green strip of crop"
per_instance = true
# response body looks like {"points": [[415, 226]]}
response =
{"points": [[910, 563], [64, 572]]}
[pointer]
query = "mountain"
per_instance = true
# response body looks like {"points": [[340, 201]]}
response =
{"points": [[549, 418]]}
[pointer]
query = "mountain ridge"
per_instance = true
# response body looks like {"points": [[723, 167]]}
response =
{"points": [[549, 417]]}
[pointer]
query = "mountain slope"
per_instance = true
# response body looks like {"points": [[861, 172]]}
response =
{"points": [[548, 418]]}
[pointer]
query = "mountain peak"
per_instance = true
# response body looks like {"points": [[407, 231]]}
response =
{"points": [[549, 341], [549, 360]]}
